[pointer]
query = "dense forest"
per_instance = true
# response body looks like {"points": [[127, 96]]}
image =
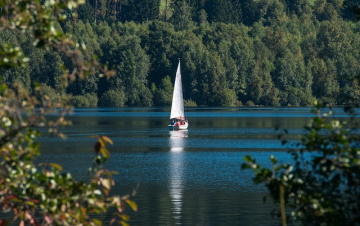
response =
{"points": [[233, 52]]}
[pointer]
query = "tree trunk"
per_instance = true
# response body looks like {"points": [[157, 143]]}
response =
{"points": [[166, 4], [120, 10], [95, 10], [115, 10]]}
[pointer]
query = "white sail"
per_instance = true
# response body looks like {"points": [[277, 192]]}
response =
{"points": [[177, 107]]}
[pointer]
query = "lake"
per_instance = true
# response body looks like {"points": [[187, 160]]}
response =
{"points": [[188, 177]]}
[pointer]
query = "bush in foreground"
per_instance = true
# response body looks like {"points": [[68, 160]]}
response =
{"points": [[44, 194], [322, 185]]}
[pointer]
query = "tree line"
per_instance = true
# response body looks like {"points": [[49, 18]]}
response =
{"points": [[266, 52]]}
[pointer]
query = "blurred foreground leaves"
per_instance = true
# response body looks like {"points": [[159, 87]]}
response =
{"points": [[45, 194]]}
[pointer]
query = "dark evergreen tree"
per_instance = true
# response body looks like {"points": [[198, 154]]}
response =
{"points": [[163, 93], [327, 10], [325, 87], [351, 10], [182, 16], [220, 11], [159, 44], [86, 12], [249, 11], [140, 10], [237, 14], [262, 52], [298, 7]]}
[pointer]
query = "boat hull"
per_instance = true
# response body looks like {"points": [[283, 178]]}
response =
{"points": [[178, 126]]}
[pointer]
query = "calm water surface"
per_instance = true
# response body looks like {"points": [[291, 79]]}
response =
{"points": [[188, 177]]}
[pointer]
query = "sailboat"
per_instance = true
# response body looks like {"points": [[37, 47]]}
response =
{"points": [[177, 115]]}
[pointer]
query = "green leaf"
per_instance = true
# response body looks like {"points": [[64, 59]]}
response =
{"points": [[107, 139], [125, 217], [245, 166], [123, 223], [105, 152], [55, 165], [273, 160], [30, 203], [97, 222], [248, 158], [132, 204], [3, 87]]}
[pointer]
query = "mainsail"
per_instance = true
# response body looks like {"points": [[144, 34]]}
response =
{"points": [[177, 107]]}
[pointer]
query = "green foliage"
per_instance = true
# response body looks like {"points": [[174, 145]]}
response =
{"points": [[113, 98], [132, 65], [42, 193], [321, 185], [190, 103], [86, 12], [165, 9], [182, 18], [163, 94], [50, 96], [226, 98], [325, 86], [269, 52], [83, 86], [32, 190], [84, 33], [160, 49], [141, 10], [227, 11], [250, 103], [350, 10], [132, 70], [86, 100], [46, 68]]}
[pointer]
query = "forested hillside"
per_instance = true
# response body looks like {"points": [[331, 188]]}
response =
{"points": [[233, 52]]}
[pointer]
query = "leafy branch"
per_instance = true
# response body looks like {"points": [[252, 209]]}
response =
{"points": [[321, 185], [43, 193]]}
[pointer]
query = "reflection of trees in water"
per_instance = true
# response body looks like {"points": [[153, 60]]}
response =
{"points": [[176, 167]]}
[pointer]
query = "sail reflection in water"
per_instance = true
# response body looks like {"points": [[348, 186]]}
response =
{"points": [[177, 144]]}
